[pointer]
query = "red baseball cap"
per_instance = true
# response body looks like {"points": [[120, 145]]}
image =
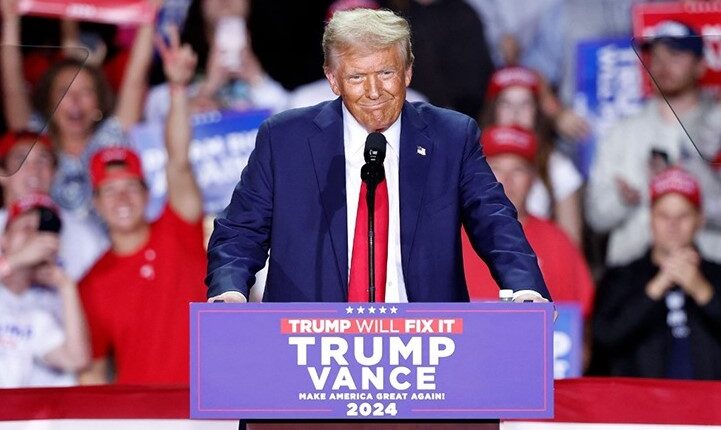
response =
{"points": [[30, 202], [515, 140], [113, 163], [12, 138], [679, 181], [511, 77]]}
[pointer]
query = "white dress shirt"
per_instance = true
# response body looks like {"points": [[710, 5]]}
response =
{"points": [[354, 138]]}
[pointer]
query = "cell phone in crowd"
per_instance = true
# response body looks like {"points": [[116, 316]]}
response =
{"points": [[659, 160], [49, 221], [230, 40]]}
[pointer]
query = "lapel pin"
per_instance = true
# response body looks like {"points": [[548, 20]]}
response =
{"points": [[421, 150]]}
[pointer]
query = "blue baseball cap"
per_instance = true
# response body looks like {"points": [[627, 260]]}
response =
{"points": [[676, 35]]}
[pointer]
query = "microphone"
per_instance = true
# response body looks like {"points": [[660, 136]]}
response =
{"points": [[372, 173]]}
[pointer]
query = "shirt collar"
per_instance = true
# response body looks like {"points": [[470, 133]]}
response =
{"points": [[355, 134]]}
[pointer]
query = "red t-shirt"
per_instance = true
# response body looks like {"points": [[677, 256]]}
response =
{"points": [[563, 267], [137, 305]]}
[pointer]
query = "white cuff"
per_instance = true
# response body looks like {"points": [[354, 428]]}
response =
{"points": [[230, 296], [518, 293]]}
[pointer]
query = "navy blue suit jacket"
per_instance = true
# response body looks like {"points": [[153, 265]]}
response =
{"points": [[291, 199]]}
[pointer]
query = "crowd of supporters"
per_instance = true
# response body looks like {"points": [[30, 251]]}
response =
{"points": [[93, 291]]}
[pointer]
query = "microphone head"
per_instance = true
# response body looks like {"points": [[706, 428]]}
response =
{"points": [[375, 149]]}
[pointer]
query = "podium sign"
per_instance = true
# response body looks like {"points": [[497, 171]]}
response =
{"points": [[371, 361]]}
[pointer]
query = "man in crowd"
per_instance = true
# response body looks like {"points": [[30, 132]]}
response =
{"points": [[639, 147], [136, 297], [511, 152], [660, 315], [301, 192]]}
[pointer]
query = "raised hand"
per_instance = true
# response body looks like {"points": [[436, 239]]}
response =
{"points": [[41, 248], [52, 275], [10, 9], [684, 268], [250, 69], [629, 195], [178, 61]]}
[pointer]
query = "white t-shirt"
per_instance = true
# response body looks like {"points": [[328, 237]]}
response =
{"points": [[565, 180], [27, 333]]}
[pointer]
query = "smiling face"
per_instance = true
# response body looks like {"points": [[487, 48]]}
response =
{"points": [[121, 204], [30, 167], [372, 84]]}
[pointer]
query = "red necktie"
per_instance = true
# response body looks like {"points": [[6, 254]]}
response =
{"points": [[358, 286]]}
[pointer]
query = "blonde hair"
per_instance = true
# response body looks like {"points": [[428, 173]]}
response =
{"points": [[368, 29]]}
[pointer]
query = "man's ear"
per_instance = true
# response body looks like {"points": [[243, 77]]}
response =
{"points": [[408, 75], [332, 80]]}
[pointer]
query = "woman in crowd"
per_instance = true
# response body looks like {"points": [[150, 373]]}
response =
{"points": [[228, 75], [514, 97], [76, 103]]}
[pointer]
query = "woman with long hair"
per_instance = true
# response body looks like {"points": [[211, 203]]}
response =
{"points": [[514, 97], [76, 103]]}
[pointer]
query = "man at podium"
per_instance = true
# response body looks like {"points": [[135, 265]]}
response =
{"points": [[301, 195]]}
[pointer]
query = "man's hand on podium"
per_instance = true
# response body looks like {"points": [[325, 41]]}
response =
{"points": [[532, 296], [229, 297]]}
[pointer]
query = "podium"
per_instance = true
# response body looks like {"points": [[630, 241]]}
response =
{"points": [[370, 362]]}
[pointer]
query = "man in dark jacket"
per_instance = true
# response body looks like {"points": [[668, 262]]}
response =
{"points": [[660, 316]]}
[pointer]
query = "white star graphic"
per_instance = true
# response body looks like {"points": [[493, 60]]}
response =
{"points": [[382, 309], [394, 310], [360, 309], [371, 310], [349, 310]]}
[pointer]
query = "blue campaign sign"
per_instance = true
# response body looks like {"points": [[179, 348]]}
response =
{"points": [[222, 143], [608, 88], [371, 360], [568, 341]]}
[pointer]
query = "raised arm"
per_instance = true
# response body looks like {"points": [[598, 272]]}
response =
{"points": [[131, 95], [16, 101], [73, 48], [74, 353], [179, 66]]}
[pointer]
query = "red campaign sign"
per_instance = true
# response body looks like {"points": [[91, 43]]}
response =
{"points": [[107, 11], [704, 17]]}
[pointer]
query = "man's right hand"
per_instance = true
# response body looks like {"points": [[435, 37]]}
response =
{"points": [[629, 195], [229, 297], [659, 285], [41, 248]]}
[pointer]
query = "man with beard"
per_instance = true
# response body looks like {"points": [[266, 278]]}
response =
{"points": [[639, 147]]}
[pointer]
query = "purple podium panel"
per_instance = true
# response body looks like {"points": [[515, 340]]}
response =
{"points": [[371, 361]]}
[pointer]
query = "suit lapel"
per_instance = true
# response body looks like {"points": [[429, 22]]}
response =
{"points": [[415, 155], [328, 156]]}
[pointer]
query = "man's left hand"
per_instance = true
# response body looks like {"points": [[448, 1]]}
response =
{"points": [[535, 298]]}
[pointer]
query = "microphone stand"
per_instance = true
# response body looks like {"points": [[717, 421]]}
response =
{"points": [[371, 203], [372, 174]]}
